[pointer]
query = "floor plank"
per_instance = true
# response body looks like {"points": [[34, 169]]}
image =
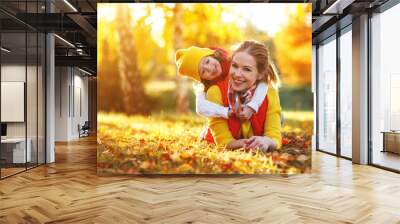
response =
{"points": [[70, 191]]}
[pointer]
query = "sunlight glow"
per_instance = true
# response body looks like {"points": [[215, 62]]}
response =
{"points": [[277, 12], [157, 22], [106, 11]]}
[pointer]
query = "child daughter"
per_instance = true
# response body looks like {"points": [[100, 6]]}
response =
{"points": [[210, 66]]}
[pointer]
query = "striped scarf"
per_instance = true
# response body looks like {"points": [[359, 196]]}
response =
{"points": [[237, 99]]}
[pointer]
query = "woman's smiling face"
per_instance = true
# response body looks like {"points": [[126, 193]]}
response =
{"points": [[243, 71], [209, 68]]}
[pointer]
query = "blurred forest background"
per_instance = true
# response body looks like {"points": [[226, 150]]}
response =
{"points": [[137, 76], [137, 43]]}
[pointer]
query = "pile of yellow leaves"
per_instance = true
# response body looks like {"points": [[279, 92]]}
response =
{"points": [[170, 144]]}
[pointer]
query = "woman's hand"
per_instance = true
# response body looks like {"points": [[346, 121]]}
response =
{"points": [[262, 143], [246, 113], [237, 144]]}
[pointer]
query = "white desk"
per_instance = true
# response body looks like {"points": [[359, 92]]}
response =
{"points": [[18, 151]]}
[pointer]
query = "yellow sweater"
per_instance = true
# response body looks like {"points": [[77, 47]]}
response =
{"points": [[272, 127]]}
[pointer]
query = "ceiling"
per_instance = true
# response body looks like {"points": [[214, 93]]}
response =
{"points": [[75, 23]]}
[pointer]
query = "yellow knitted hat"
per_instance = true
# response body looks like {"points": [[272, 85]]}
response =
{"points": [[188, 60]]}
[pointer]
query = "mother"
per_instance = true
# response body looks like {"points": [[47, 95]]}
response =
{"points": [[250, 65]]}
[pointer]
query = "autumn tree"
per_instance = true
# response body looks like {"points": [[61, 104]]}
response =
{"points": [[108, 100], [195, 24], [134, 97], [145, 37], [182, 102], [293, 47]]}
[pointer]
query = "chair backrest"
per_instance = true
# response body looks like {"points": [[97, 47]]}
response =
{"points": [[86, 125]]}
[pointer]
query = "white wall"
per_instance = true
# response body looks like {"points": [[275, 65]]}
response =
{"points": [[80, 94], [33, 127], [71, 87], [12, 73], [62, 78]]}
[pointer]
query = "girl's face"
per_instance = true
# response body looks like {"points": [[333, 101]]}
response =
{"points": [[243, 71], [209, 68]]}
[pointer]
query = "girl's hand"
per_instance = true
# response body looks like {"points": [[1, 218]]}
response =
{"points": [[246, 113], [262, 143], [247, 97]]}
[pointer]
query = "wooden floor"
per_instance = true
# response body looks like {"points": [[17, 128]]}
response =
{"points": [[10, 171], [70, 191]]}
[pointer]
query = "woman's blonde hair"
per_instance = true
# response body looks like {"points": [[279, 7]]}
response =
{"points": [[264, 64]]}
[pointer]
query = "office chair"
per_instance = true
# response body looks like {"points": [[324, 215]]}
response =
{"points": [[84, 130]]}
